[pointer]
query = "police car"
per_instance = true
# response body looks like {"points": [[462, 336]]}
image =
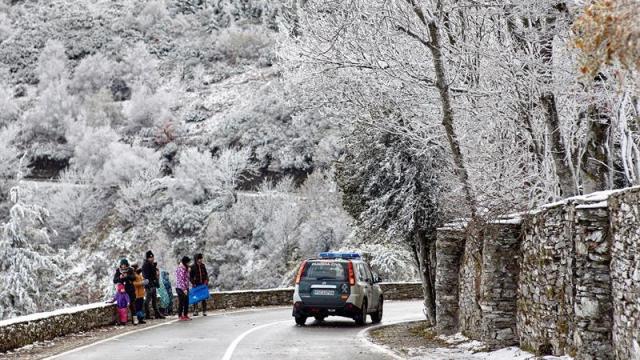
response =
{"points": [[337, 284]]}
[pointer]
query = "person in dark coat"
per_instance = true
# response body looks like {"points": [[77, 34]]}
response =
{"points": [[199, 276], [124, 275], [150, 273]]}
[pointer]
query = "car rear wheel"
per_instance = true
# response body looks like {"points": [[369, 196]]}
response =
{"points": [[376, 317], [361, 318], [300, 320]]}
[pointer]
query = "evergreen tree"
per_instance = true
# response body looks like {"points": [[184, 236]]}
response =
{"points": [[28, 269], [395, 195]]}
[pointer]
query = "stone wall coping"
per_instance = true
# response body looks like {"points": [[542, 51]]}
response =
{"points": [[50, 314]]}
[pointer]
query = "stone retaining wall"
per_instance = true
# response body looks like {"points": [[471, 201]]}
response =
{"points": [[625, 273], [545, 291], [499, 286], [21, 331], [469, 312], [561, 280], [449, 249]]}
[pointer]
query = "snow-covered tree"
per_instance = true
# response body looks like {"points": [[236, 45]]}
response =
{"points": [[395, 194], [28, 270]]}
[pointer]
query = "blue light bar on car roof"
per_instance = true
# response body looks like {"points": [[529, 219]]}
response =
{"points": [[339, 255]]}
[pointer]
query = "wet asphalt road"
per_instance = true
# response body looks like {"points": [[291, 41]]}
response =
{"points": [[250, 334]]}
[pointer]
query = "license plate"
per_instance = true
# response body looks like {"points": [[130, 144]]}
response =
{"points": [[324, 292]]}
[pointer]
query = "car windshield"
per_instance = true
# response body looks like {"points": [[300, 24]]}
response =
{"points": [[324, 271]]}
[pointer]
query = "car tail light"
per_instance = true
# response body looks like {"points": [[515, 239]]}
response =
{"points": [[352, 276], [299, 276]]}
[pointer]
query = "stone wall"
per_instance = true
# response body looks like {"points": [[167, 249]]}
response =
{"points": [[499, 283], [593, 306], [450, 244], [625, 273], [545, 291], [18, 332], [470, 278], [564, 280], [26, 330]]}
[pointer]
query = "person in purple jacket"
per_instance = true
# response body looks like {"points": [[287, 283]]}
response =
{"points": [[182, 288], [122, 300]]}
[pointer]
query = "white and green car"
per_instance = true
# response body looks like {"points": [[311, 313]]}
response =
{"points": [[337, 284]]}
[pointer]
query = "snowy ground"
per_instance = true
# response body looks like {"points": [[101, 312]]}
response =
{"points": [[413, 341], [465, 349]]}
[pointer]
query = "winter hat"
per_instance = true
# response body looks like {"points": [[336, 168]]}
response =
{"points": [[120, 287], [185, 260], [149, 254], [124, 261]]}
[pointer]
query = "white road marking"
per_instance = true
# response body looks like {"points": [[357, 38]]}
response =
{"points": [[362, 336], [152, 327], [109, 339], [227, 354]]}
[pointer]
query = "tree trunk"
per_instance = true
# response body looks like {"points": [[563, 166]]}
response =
{"points": [[595, 159], [558, 150], [423, 253], [448, 117], [561, 158]]}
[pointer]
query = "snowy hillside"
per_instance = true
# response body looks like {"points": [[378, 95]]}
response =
{"points": [[165, 125]]}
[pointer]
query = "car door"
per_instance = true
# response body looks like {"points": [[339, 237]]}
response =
{"points": [[374, 293], [376, 290], [367, 285]]}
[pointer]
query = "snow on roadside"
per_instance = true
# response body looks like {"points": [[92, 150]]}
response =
{"points": [[462, 348]]}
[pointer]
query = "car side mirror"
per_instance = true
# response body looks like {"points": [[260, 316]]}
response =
{"points": [[376, 278]]}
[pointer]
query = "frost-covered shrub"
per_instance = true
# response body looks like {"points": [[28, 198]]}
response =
{"points": [[280, 140], [147, 109], [182, 219], [52, 64], [94, 72], [153, 13], [140, 200], [75, 209], [390, 261], [210, 176], [100, 109], [126, 162], [6, 30], [236, 44], [92, 146], [8, 107], [141, 67]]}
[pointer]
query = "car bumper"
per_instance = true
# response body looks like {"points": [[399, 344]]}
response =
{"points": [[306, 310]]}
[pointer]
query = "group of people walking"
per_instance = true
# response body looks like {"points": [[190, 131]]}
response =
{"points": [[142, 289]]}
